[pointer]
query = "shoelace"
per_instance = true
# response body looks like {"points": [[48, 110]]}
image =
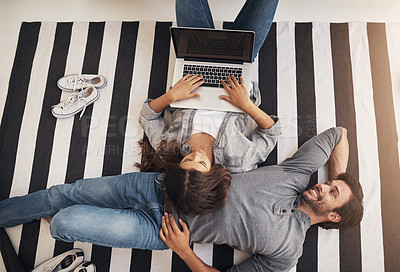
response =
{"points": [[72, 99], [75, 81]]}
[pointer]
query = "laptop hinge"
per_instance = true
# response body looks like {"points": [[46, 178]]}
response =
{"points": [[214, 60]]}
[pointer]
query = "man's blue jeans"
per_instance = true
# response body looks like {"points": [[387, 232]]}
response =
{"points": [[116, 211], [255, 15]]}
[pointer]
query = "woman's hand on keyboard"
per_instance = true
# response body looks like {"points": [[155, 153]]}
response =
{"points": [[238, 94], [239, 97], [184, 88]]}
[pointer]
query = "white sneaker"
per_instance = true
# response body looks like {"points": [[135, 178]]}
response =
{"points": [[75, 103], [64, 262], [86, 267], [76, 82]]}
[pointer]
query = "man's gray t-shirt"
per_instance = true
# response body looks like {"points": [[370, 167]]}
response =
{"points": [[260, 216]]}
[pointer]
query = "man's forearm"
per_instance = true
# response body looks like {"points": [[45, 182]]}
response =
{"points": [[339, 157]]}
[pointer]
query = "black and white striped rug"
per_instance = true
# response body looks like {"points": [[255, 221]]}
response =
{"points": [[312, 75]]}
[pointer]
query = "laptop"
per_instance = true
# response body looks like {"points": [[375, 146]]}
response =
{"points": [[215, 54]]}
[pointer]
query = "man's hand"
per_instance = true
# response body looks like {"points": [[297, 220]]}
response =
{"points": [[238, 94], [173, 237], [183, 89]]}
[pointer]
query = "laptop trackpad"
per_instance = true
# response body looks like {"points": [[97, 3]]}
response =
{"points": [[209, 99]]}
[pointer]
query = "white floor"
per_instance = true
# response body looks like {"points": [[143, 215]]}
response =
{"points": [[13, 12]]}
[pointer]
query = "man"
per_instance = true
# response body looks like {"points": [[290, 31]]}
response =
{"points": [[268, 210]]}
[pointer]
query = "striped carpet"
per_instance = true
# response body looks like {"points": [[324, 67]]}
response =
{"points": [[312, 75]]}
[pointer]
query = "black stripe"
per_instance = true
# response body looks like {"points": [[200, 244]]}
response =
{"points": [[140, 260], [80, 131], [227, 25], [387, 143], [306, 125], [114, 149], [350, 240], [222, 257], [120, 100], [15, 103], [268, 78], [178, 264], [45, 136], [159, 64]]}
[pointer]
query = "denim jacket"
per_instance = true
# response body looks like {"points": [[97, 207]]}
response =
{"points": [[240, 144]]}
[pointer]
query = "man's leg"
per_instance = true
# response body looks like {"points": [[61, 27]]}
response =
{"points": [[193, 13], [131, 190], [256, 15], [124, 228]]}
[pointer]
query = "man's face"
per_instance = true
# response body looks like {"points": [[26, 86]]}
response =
{"points": [[324, 198]]}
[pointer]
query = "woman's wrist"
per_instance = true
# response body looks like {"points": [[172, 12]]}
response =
{"points": [[169, 97], [161, 103], [248, 107]]}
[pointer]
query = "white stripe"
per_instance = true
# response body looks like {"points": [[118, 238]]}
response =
{"points": [[161, 260], [120, 259], [2, 265], [328, 241], [239, 256], [100, 114], [96, 149], [171, 66], [371, 225], [393, 40], [62, 137], [30, 120], [254, 70], [204, 252], [287, 92], [287, 97], [139, 89]]}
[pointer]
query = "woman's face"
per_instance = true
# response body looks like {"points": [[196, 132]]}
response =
{"points": [[196, 160]]}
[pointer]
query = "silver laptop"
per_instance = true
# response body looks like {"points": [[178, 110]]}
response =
{"points": [[215, 54]]}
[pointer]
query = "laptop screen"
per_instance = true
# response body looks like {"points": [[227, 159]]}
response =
{"points": [[212, 44]]}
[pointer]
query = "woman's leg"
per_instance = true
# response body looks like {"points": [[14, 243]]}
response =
{"points": [[131, 190], [193, 13], [256, 15], [124, 228]]}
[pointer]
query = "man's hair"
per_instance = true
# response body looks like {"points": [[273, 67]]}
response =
{"points": [[191, 191], [352, 212], [194, 192]]}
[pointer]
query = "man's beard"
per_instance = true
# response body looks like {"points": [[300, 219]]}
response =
{"points": [[318, 207]]}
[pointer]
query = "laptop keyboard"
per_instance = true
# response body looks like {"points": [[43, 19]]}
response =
{"points": [[212, 75]]}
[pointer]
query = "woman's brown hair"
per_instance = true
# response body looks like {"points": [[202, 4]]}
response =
{"points": [[191, 191]]}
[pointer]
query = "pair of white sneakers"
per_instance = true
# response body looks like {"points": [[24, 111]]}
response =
{"points": [[84, 90], [70, 261]]}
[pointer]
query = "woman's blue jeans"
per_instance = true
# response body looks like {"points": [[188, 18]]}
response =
{"points": [[255, 15], [117, 211]]}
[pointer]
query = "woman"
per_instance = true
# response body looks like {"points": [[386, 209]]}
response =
{"points": [[196, 144], [189, 142]]}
